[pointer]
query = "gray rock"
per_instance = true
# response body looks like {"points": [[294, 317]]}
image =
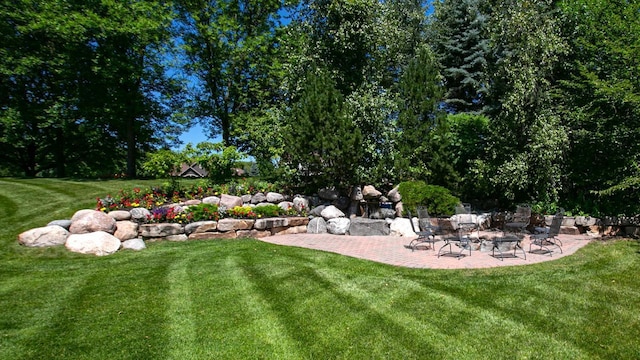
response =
{"points": [[274, 197], [230, 201], [246, 198], [331, 212], [368, 227], [338, 226], [93, 221], [394, 195], [126, 230], [191, 202], [140, 215], [214, 200], [51, 235], [134, 244], [317, 211], [258, 198], [97, 243], [160, 230], [119, 215], [62, 223], [328, 194], [317, 226]]}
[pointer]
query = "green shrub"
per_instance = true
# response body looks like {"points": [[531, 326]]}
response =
{"points": [[270, 210], [202, 212], [437, 199]]}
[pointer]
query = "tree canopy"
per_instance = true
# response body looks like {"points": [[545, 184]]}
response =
{"points": [[499, 101]]}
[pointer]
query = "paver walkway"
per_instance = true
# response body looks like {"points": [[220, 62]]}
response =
{"points": [[391, 250]]}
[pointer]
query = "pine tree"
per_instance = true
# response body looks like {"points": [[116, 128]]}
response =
{"points": [[323, 144], [462, 47], [423, 133]]}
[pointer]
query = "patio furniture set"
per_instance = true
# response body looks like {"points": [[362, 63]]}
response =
{"points": [[465, 224]]}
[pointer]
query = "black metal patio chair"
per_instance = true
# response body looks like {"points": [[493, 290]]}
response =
{"points": [[426, 231]]}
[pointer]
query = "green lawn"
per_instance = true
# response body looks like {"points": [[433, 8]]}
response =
{"points": [[244, 299]]}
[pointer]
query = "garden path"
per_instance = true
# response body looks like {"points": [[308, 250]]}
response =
{"points": [[390, 250]]}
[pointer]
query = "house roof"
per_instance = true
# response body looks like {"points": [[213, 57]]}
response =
{"points": [[194, 170]]}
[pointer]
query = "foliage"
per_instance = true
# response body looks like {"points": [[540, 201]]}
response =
{"points": [[438, 200], [422, 143], [323, 143], [80, 80], [270, 210], [600, 98], [459, 37], [527, 141], [219, 160], [202, 212], [163, 163], [230, 48], [468, 145]]}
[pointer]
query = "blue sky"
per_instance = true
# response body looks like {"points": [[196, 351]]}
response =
{"points": [[195, 135]]}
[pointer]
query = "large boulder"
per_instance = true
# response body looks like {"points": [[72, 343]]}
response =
{"points": [[401, 227], [317, 226], [126, 230], [91, 222], [97, 243], [368, 227], [338, 226], [80, 213], [44, 236], [331, 212], [230, 201]]}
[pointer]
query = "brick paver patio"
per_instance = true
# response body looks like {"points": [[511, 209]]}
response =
{"points": [[391, 250]]}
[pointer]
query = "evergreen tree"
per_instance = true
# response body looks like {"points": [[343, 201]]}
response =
{"points": [[460, 40], [323, 145], [423, 151]]}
